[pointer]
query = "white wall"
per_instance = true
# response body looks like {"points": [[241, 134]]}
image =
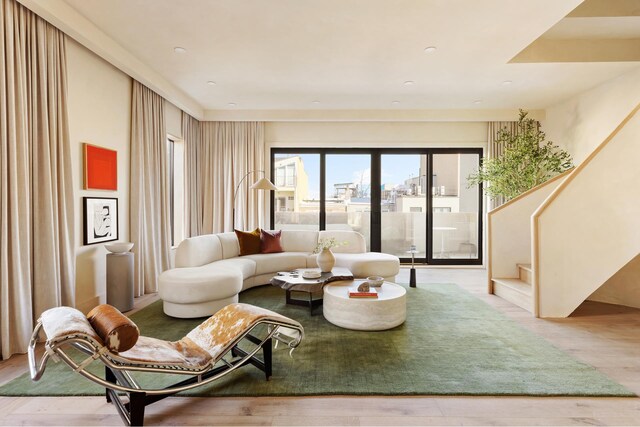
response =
{"points": [[581, 123], [99, 113], [173, 119], [376, 134]]}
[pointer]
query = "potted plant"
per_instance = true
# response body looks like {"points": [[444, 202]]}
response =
{"points": [[528, 160], [325, 257]]}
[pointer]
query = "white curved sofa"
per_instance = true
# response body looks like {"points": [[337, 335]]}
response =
{"points": [[210, 272]]}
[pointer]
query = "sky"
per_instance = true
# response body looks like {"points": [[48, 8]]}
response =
{"points": [[356, 168]]}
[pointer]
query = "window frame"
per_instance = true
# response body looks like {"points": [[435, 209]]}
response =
{"points": [[376, 193]]}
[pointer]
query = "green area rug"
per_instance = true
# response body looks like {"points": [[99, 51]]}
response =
{"points": [[451, 344]]}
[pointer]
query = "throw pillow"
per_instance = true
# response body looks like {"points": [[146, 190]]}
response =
{"points": [[249, 241], [271, 241]]}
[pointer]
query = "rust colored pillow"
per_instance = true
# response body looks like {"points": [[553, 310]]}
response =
{"points": [[117, 331], [249, 241], [271, 241]]}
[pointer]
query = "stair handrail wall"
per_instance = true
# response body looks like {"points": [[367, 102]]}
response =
{"points": [[509, 230], [566, 266]]}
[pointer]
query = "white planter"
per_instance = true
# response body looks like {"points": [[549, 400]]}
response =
{"points": [[326, 260]]}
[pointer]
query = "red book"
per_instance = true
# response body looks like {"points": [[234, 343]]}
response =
{"points": [[355, 293]]}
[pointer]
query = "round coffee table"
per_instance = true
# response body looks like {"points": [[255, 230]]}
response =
{"points": [[365, 314]]}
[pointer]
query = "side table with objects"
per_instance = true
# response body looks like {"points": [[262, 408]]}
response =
{"points": [[309, 281], [386, 311]]}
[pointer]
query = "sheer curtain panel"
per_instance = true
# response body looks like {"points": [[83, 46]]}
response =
{"points": [[150, 216], [495, 149], [37, 261], [193, 175], [228, 151]]}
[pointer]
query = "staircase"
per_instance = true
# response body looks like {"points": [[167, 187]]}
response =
{"points": [[516, 290], [552, 247]]}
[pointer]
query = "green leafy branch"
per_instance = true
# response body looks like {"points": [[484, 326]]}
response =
{"points": [[527, 161]]}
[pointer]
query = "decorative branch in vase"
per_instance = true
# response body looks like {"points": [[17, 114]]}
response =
{"points": [[528, 160]]}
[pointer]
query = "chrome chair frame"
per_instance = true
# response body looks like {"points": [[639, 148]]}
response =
{"points": [[118, 378]]}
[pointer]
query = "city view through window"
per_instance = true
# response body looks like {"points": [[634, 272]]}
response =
{"points": [[404, 200]]}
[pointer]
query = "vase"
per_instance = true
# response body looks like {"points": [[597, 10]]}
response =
{"points": [[326, 260]]}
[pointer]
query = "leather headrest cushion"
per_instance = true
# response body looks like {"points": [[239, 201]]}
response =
{"points": [[117, 331]]}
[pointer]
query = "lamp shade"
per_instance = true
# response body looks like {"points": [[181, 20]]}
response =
{"points": [[263, 184]]}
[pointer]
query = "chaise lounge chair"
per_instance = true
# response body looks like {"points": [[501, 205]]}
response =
{"points": [[106, 335]]}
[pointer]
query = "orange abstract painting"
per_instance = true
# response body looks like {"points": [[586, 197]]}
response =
{"points": [[100, 168]]}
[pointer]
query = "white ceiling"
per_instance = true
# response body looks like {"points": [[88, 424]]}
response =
{"points": [[349, 54]]}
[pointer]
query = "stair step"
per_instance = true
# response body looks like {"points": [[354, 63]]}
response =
{"points": [[515, 291], [525, 272], [525, 266]]}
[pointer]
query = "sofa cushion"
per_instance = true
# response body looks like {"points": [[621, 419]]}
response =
{"points": [[249, 241], [229, 243], [355, 242], [198, 284], [270, 242], [369, 264], [299, 240], [283, 261], [244, 264], [199, 250]]}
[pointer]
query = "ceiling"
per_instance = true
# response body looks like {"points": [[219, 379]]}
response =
{"points": [[358, 54]]}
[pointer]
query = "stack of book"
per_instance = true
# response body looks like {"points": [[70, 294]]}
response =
{"points": [[355, 293]]}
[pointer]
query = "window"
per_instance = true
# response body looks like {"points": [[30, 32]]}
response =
{"points": [[290, 176], [175, 157], [396, 198], [348, 193], [297, 201]]}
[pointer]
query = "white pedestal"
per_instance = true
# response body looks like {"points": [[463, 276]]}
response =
{"points": [[120, 280]]}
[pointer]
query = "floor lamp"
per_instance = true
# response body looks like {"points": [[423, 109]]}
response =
{"points": [[261, 184]]}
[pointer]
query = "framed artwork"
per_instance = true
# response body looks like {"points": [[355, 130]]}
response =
{"points": [[100, 219], [100, 168]]}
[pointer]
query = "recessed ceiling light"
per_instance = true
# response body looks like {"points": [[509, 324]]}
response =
{"points": [[315, 102], [179, 49], [395, 103], [211, 83], [506, 82], [232, 104], [409, 83], [430, 49], [477, 101]]}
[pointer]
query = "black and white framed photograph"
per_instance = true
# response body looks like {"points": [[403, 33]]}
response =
{"points": [[100, 219]]}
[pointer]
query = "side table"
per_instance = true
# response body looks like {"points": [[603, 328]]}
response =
{"points": [[120, 280]]}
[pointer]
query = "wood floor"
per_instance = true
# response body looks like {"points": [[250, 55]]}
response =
{"points": [[604, 336]]}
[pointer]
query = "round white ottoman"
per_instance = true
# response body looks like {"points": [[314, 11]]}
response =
{"points": [[365, 314], [197, 291]]}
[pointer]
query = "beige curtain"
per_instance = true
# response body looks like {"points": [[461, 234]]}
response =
{"points": [[494, 149], [193, 175], [37, 261], [224, 153], [149, 222]]}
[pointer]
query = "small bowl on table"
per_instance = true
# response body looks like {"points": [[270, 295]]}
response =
{"points": [[311, 274], [375, 281]]}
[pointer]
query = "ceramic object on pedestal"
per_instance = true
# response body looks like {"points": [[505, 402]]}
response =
{"points": [[120, 275], [326, 260], [118, 247]]}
